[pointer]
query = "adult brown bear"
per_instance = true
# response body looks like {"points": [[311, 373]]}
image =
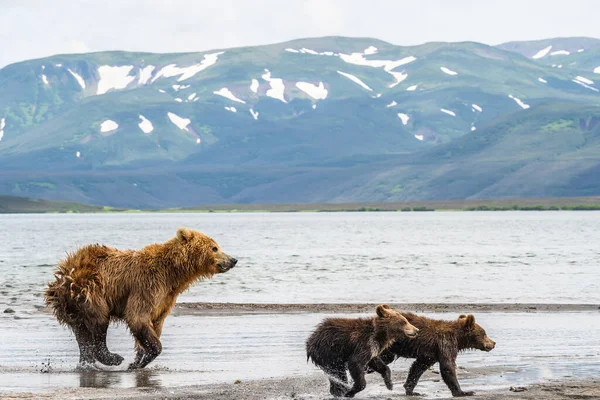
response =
{"points": [[340, 344], [438, 341], [97, 284]]}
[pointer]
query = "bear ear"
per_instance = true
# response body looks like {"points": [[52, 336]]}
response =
{"points": [[468, 320], [184, 234], [383, 310], [461, 316]]}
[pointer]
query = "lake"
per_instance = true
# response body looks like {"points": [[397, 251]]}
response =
{"points": [[473, 257]]}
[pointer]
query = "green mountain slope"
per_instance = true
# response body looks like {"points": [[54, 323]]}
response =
{"points": [[316, 119]]}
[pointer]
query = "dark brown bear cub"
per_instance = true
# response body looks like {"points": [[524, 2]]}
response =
{"points": [[438, 341], [340, 344]]}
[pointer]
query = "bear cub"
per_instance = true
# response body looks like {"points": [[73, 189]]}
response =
{"points": [[438, 341], [341, 344]]}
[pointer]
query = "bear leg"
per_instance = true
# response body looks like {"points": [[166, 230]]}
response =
{"points": [[338, 379], [357, 372], [101, 351], [150, 346], [414, 374], [448, 372], [377, 365], [85, 341]]}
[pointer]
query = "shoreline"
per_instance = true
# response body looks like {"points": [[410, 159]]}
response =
{"points": [[23, 205], [197, 308], [315, 385]]}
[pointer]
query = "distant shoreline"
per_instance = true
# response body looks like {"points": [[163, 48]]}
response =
{"points": [[22, 205]]}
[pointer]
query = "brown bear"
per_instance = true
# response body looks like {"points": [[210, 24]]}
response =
{"points": [[340, 344], [438, 341], [98, 284]]}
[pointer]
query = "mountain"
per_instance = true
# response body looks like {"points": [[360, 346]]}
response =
{"points": [[323, 119]]}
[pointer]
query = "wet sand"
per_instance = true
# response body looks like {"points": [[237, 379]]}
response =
{"points": [[257, 308], [316, 387]]}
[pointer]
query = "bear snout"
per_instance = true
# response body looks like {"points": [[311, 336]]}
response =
{"points": [[411, 332], [227, 263], [489, 344]]}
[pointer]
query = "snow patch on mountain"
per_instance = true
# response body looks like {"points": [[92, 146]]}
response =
{"points": [[317, 92], [542, 53], [404, 118], [254, 113], [560, 53], [412, 88], [355, 80], [115, 78], [180, 122], [370, 50], [387, 65], [580, 50], [177, 99], [419, 137], [542, 80], [448, 71], [597, 70], [277, 86], [476, 107], [254, 85], [448, 112], [145, 125], [191, 96], [227, 94], [392, 104], [108, 126], [292, 50], [78, 154], [187, 72], [582, 83], [473, 129], [2, 126], [77, 77], [145, 74], [519, 102], [232, 109], [45, 80], [584, 80]]}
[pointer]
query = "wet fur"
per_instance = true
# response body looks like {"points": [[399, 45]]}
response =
{"points": [[341, 344], [438, 341], [97, 284]]}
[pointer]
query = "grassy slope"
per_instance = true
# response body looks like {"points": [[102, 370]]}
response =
{"points": [[14, 204], [22, 205]]}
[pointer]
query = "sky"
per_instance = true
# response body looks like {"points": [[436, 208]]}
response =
{"points": [[40, 28]]}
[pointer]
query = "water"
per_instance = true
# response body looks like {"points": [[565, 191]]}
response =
{"points": [[198, 350], [506, 257], [546, 257]]}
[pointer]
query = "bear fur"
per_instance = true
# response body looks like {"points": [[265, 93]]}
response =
{"points": [[97, 284], [340, 344], [438, 341]]}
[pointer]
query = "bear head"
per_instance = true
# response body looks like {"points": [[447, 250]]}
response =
{"points": [[394, 323], [202, 253], [473, 336]]}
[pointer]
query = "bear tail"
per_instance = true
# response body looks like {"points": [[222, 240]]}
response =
{"points": [[76, 296]]}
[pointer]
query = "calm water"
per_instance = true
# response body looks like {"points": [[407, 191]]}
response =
{"points": [[548, 257]]}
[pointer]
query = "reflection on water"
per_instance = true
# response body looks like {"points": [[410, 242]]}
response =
{"points": [[146, 378], [202, 350]]}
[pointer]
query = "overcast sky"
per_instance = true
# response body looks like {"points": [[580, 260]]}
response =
{"points": [[40, 28]]}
